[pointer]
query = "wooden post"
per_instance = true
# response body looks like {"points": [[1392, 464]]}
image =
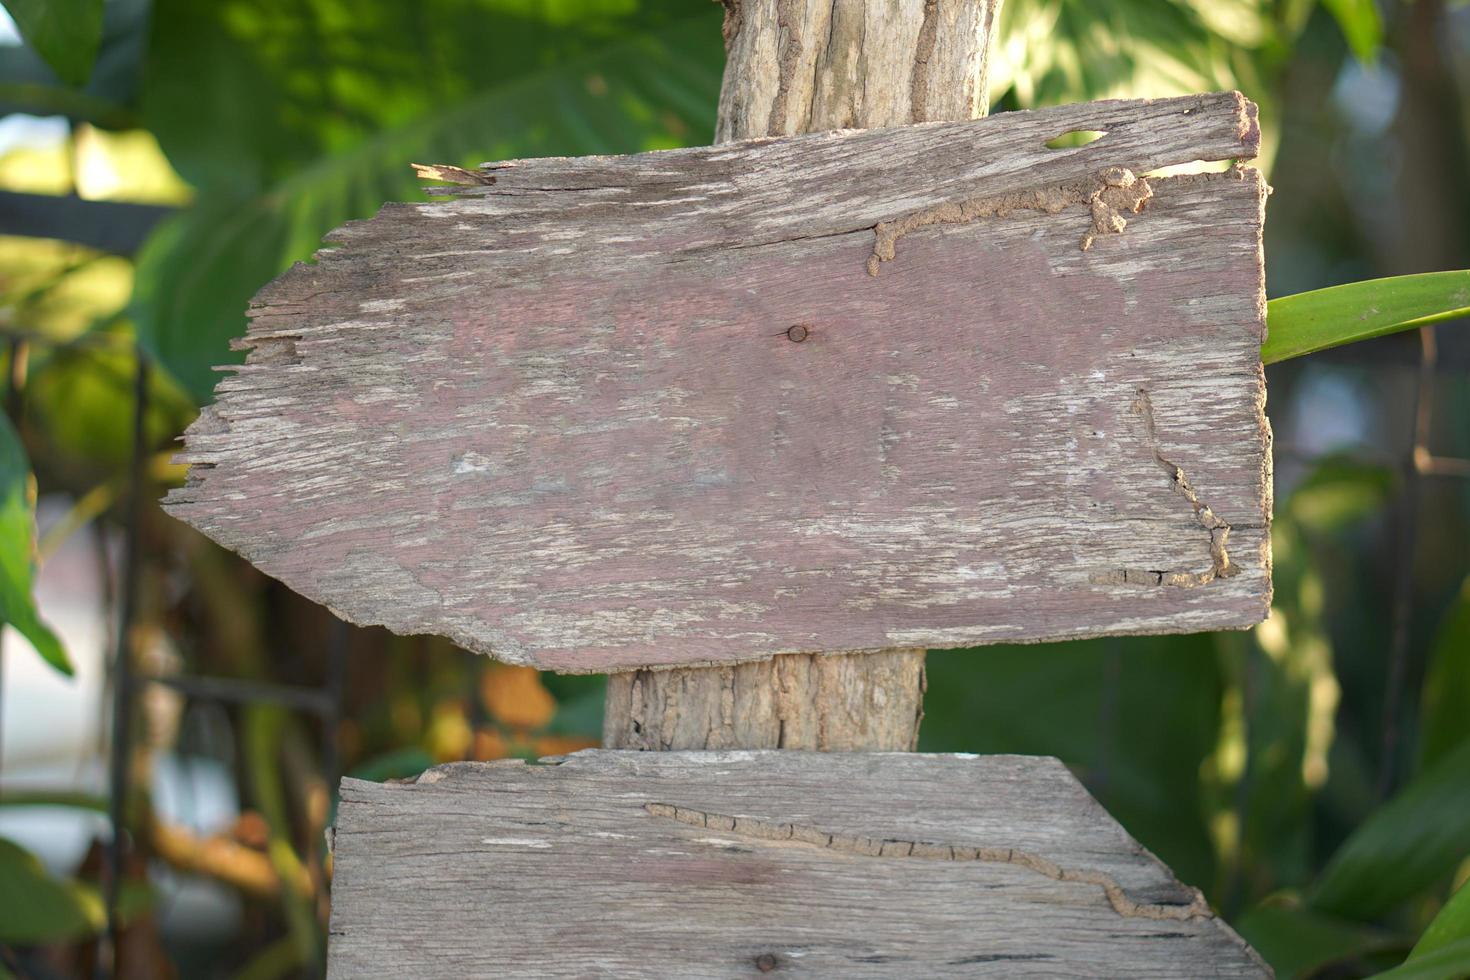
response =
{"points": [[799, 66]]}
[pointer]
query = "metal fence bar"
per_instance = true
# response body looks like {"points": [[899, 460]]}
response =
{"points": [[1403, 595], [122, 680]]}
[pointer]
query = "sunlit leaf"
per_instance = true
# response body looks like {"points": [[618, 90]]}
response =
{"points": [[37, 908], [1445, 963], [18, 550], [1406, 846], [1450, 926], [1445, 715], [1337, 315], [1361, 24], [67, 33]]}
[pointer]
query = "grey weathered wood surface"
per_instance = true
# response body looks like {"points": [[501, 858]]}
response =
{"points": [[560, 418], [805, 67], [733, 864]]}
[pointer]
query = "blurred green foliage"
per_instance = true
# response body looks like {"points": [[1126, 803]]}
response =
{"points": [[18, 551], [1247, 761]]}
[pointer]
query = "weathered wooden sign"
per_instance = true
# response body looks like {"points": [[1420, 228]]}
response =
{"points": [[729, 864], [925, 387]]}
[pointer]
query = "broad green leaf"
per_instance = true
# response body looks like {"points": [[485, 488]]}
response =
{"points": [[1450, 926], [1445, 711], [18, 550], [1361, 24], [1338, 315], [644, 90], [67, 33], [1298, 941], [1450, 962], [36, 908], [1405, 847]]}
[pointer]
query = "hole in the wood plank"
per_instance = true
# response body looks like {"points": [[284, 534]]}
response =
{"points": [[1074, 137], [766, 962]]}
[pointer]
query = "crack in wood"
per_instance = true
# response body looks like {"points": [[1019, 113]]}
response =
{"points": [[1108, 195], [890, 847], [1219, 528]]}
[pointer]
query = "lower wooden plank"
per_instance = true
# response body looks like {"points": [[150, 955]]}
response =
{"points": [[728, 864]]}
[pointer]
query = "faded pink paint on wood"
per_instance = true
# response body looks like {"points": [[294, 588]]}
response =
{"points": [[560, 418]]}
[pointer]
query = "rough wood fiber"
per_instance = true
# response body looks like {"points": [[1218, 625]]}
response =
{"points": [[861, 702], [729, 864], [561, 417], [803, 67]]}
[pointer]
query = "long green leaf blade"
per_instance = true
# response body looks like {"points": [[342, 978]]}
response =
{"points": [[1451, 925], [1337, 315], [1404, 847], [1445, 963], [1445, 709]]}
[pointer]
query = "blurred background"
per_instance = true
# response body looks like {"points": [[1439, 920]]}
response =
{"points": [[160, 161]]}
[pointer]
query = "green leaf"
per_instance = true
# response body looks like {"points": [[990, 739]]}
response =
{"points": [[1446, 699], [647, 88], [1325, 318], [1451, 925], [1339, 491], [1361, 24], [1446, 963], [36, 908], [66, 33], [18, 550], [1298, 941], [1406, 846]]}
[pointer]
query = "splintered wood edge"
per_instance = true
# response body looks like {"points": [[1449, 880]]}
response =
{"points": [[606, 799]]}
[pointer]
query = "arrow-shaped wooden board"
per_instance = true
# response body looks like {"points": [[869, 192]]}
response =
{"points": [[925, 387]]}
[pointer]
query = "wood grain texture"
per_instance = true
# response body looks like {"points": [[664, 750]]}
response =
{"points": [[559, 418], [804, 66], [860, 702], [685, 864]]}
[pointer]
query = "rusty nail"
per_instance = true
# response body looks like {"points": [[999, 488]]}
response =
{"points": [[766, 962], [796, 334]]}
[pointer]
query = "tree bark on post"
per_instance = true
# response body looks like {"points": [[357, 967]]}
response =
{"points": [[799, 66]]}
